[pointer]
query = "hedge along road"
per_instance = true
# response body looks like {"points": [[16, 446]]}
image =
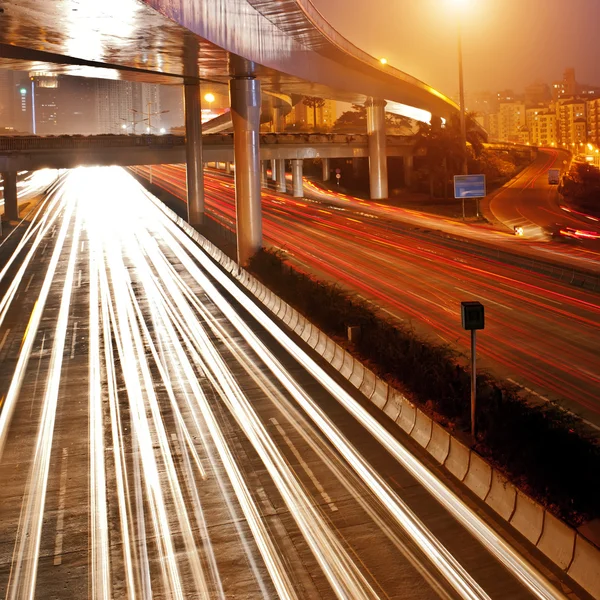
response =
{"points": [[540, 333]]}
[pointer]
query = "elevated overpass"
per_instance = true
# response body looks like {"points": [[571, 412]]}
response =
{"points": [[31, 153], [245, 47]]}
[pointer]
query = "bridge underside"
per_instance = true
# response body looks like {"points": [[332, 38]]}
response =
{"points": [[165, 42]]}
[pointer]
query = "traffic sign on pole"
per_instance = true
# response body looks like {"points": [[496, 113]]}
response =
{"points": [[469, 186]]}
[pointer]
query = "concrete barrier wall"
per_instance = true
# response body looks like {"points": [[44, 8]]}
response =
{"points": [[568, 549]]}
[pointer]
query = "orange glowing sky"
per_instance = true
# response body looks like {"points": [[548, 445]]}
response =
{"points": [[506, 43]]}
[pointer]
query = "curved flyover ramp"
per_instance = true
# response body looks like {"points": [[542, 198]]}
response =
{"points": [[161, 41]]}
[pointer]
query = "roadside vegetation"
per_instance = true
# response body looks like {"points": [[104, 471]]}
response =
{"points": [[581, 188], [542, 449]]}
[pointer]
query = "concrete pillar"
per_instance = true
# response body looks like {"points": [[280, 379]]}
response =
{"points": [[278, 124], [263, 174], [281, 183], [326, 169], [245, 99], [298, 189], [11, 205], [273, 170], [408, 169], [227, 167], [193, 154], [377, 148]]}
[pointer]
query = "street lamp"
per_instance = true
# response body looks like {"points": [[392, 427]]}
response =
{"points": [[210, 98], [461, 7], [383, 61]]}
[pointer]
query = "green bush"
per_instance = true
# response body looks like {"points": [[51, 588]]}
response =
{"points": [[543, 449]]}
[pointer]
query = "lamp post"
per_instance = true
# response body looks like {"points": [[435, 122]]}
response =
{"points": [[461, 6]]}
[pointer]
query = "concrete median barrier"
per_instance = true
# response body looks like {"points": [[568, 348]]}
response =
{"points": [[348, 365], [358, 374], [367, 387], [439, 444], [407, 417], [585, 567], [503, 496], [329, 350], [458, 459], [380, 393], [313, 338], [394, 404], [479, 476], [528, 518], [421, 432], [321, 344], [557, 541], [338, 358], [307, 331]]}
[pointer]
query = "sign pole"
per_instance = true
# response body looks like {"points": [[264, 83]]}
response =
{"points": [[473, 318], [473, 379]]}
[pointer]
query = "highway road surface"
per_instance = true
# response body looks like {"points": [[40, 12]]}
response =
{"points": [[540, 334], [161, 437], [532, 203]]}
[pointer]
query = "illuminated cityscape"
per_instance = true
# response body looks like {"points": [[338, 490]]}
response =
{"points": [[299, 300]]}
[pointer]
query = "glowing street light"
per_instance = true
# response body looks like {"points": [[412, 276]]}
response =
{"points": [[383, 61], [210, 98]]}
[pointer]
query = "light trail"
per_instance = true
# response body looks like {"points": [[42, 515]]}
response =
{"points": [[175, 413]]}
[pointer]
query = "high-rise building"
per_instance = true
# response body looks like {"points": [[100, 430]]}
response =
{"points": [[115, 107], [571, 122], [77, 112], [568, 87], [593, 121], [511, 120], [304, 116], [542, 127], [15, 101], [45, 103], [537, 93]]}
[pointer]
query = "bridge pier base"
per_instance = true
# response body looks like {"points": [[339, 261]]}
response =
{"points": [[11, 206], [377, 148], [244, 91], [193, 153], [326, 169], [298, 188], [408, 162], [281, 183]]}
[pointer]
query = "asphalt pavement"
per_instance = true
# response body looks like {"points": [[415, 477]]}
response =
{"points": [[541, 334], [158, 441]]}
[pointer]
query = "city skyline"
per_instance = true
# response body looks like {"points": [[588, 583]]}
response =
{"points": [[419, 37]]}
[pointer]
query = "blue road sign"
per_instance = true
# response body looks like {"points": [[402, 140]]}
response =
{"points": [[469, 186]]}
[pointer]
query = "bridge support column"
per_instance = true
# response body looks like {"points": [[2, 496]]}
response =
{"points": [[298, 188], [281, 183], [228, 167], [244, 91], [377, 148], [326, 169], [408, 169], [278, 124], [11, 206], [193, 153], [264, 178], [273, 170]]}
